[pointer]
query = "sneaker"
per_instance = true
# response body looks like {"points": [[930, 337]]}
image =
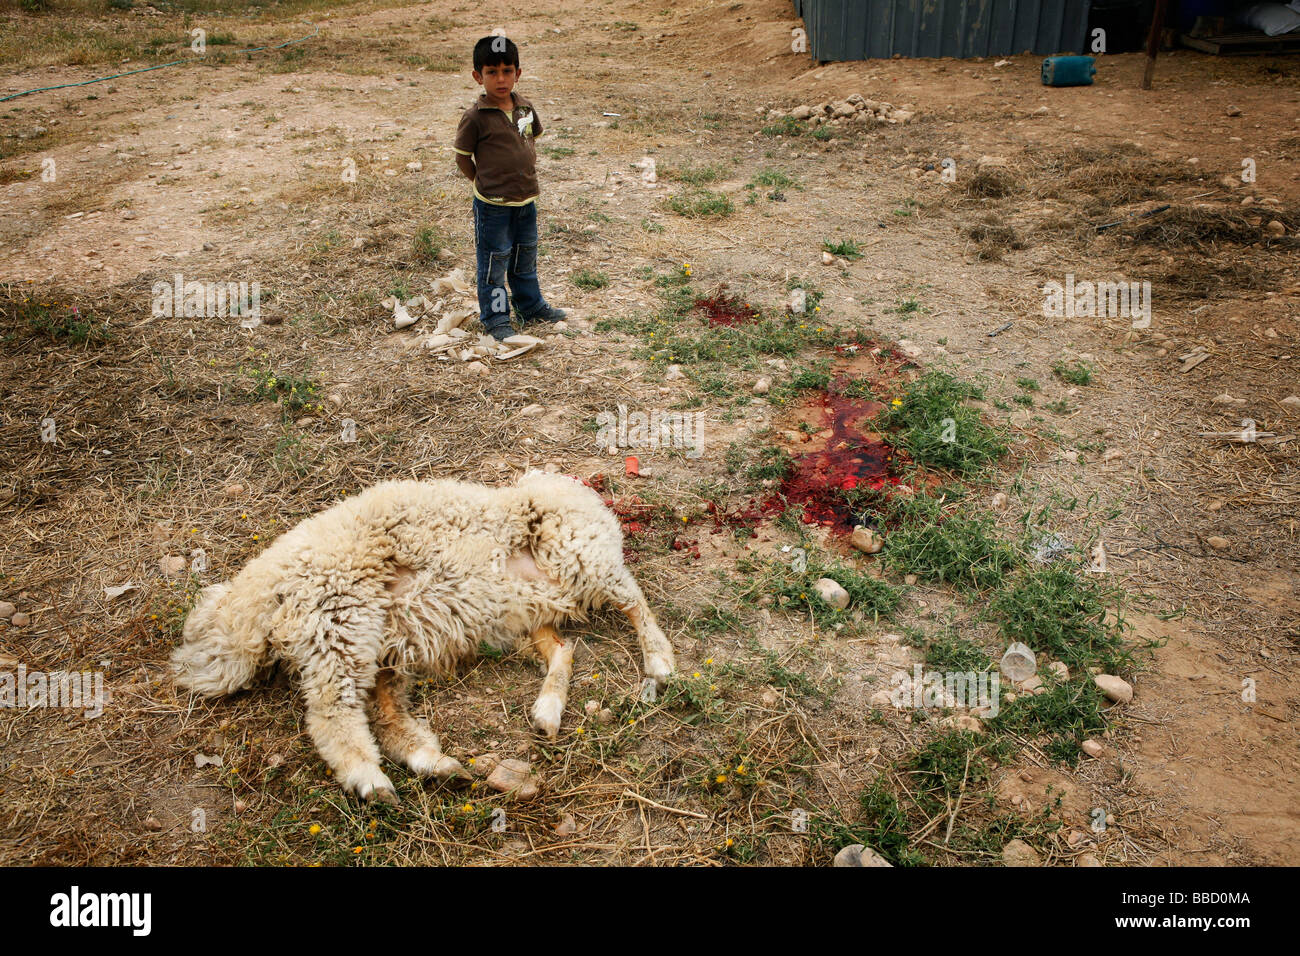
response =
{"points": [[551, 315]]}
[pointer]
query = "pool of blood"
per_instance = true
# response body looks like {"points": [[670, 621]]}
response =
{"points": [[852, 458]]}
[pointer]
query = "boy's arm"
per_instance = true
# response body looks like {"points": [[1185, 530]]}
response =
{"points": [[466, 140]]}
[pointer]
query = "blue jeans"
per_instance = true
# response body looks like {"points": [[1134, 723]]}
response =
{"points": [[506, 240]]}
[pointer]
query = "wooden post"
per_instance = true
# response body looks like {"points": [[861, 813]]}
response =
{"points": [[1153, 41]]}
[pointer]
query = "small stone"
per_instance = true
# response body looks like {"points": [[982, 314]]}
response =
{"points": [[7, 610], [1275, 229], [1115, 688], [1087, 859], [827, 259], [605, 716], [275, 760], [152, 823], [477, 368], [1059, 670], [483, 764], [910, 579], [999, 502], [240, 806], [567, 826], [591, 707], [1232, 111], [533, 409], [865, 540], [763, 386], [674, 373], [513, 775], [1218, 543], [831, 592], [335, 399], [1292, 400], [963, 722], [415, 167], [855, 854], [20, 619], [1020, 853], [1093, 748], [171, 565], [881, 698], [233, 490]]}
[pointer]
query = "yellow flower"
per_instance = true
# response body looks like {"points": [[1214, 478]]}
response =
{"points": [[595, 677], [631, 720], [314, 829], [708, 660], [468, 808], [722, 778], [730, 842], [357, 849], [696, 674], [896, 402], [579, 731], [740, 769]]}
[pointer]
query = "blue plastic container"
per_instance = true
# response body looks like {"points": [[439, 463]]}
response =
{"points": [[1069, 71]]}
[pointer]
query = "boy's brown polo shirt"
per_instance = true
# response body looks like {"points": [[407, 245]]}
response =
{"points": [[505, 159]]}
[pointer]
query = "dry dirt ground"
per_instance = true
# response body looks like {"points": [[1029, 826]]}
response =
{"points": [[229, 169]]}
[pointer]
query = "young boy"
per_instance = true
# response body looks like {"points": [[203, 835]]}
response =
{"points": [[498, 132]]}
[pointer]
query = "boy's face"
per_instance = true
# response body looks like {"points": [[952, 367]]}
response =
{"points": [[498, 79]]}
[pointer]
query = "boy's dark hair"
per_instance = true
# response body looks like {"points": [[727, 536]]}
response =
{"points": [[495, 51]]}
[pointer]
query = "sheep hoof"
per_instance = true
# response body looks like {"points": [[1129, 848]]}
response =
{"points": [[431, 762], [660, 668], [547, 713], [448, 768], [371, 784]]}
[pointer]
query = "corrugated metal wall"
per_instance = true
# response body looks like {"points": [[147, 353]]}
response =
{"points": [[868, 29]]}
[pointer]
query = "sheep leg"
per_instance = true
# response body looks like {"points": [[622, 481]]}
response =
{"points": [[403, 738], [557, 653], [655, 649], [336, 721]]}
